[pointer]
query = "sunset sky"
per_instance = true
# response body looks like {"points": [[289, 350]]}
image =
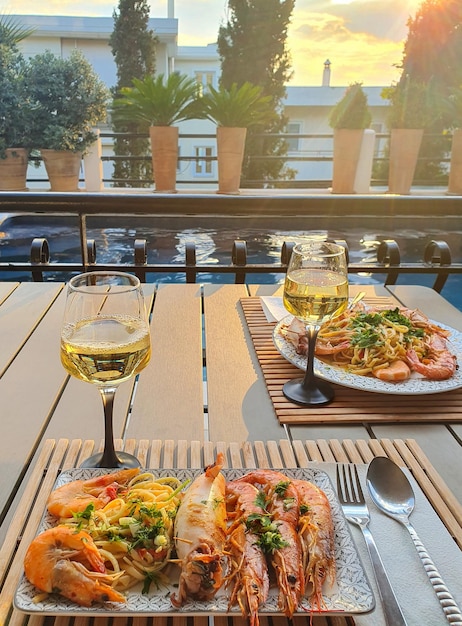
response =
{"points": [[363, 39]]}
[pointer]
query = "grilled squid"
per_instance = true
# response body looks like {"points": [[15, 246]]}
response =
{"points": [[200, 535]]}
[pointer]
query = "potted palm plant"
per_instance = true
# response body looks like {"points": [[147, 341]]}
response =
{"points": [[160, 102], [16, 112], [234, 110], [349, 118], [408, 115], [69, 100]]}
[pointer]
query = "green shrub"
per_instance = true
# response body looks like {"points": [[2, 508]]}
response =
{"points": [[69, 101], [352, 111]]}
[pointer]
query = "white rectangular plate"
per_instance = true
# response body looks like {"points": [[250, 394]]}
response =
{"points": [[350, 595]]}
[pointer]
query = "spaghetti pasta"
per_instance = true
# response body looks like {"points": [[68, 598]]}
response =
{"points": [[134, 531], [367, 342]]}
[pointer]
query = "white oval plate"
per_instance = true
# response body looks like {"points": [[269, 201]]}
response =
{"points": [[413, 386]]}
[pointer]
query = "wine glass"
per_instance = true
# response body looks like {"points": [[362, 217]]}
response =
{"points": [[105, 340], [315, 290]]}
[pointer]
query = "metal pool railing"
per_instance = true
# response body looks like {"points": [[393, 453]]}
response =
{"points": [[437, 260]]}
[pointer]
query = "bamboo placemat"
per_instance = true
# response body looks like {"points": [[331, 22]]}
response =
{"points": [[349, 405], [61, 454]]}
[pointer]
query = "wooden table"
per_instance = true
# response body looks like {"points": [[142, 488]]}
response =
{"points": [[204, 384]]}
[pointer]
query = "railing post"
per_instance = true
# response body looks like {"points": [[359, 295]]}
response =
{"points": [[93, 165], [39, 255], [438, 252], [286, 252], [141, 258], [239, 258], [190, 259], [388, 254]]}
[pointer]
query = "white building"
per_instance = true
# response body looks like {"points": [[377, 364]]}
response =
{"points": [[307, 108]]}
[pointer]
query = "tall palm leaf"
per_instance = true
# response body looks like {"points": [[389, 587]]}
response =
{"points": [[158, 101], [12, 31]]}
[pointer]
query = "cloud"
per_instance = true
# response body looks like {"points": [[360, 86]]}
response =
{"points": [[385, 20], [362, 39]]}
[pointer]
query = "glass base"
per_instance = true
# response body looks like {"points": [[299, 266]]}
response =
{"points": [[123, 461], [319, 392]]}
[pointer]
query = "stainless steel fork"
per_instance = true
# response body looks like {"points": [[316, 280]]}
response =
{"points": [[354, 506]]}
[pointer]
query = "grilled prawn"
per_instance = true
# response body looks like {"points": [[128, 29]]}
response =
{"points": [[283, 545], [248, 569], [74, 497], [66, 561], [316, 531], [200, 535]]}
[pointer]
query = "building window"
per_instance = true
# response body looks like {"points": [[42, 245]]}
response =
{"points": [[293, 144], [203, 166]]}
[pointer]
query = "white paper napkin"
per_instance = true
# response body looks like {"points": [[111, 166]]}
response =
{"points": [[273, 308], [412, 587]]}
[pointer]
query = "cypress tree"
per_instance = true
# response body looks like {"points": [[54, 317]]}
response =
{"points": [[252, 48], [134, 50]]}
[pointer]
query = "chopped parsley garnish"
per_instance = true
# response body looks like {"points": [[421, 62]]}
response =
{"points": [[394, 315], [271, 541], [261, 500], [364, 338], [146, 534], [281, 488], [259, 523], [367, 332], [86, 513]]}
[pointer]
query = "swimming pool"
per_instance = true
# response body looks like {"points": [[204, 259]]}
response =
{"points": [[214, 237]]}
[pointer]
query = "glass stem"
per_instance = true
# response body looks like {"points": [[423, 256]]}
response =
{"points": [[311, 333], [109, 458]]}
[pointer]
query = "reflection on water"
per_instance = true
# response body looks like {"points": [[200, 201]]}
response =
{"points": [[214, 237]]}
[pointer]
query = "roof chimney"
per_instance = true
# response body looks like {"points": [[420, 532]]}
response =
{"points": [[326, 74], [170, 9]]}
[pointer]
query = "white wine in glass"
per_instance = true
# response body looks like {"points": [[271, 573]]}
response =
{"points": [[315, 290], [105, 340]]}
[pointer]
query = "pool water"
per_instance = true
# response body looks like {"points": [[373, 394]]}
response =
{"points": [[214, 237]]}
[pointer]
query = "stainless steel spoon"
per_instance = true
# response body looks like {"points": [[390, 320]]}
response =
{"points": [[392, 493]]}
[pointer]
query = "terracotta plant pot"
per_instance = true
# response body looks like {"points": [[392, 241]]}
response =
{"points": [[455, 168], [63, 169], [347, 148], [164, 148], [230, 154], [404, 150], [13, 170]]}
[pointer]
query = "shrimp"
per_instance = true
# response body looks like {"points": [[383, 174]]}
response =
{"points": [[438, 364], [248, 564], [325, 347], [296, 334], [74, 497], [200, 534], [395, 372], [58, 560], [316, 530], [284, 544], [420, 320]]}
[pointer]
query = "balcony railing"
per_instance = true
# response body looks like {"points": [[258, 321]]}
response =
{"points": [[313, 210], [291, 159]]}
